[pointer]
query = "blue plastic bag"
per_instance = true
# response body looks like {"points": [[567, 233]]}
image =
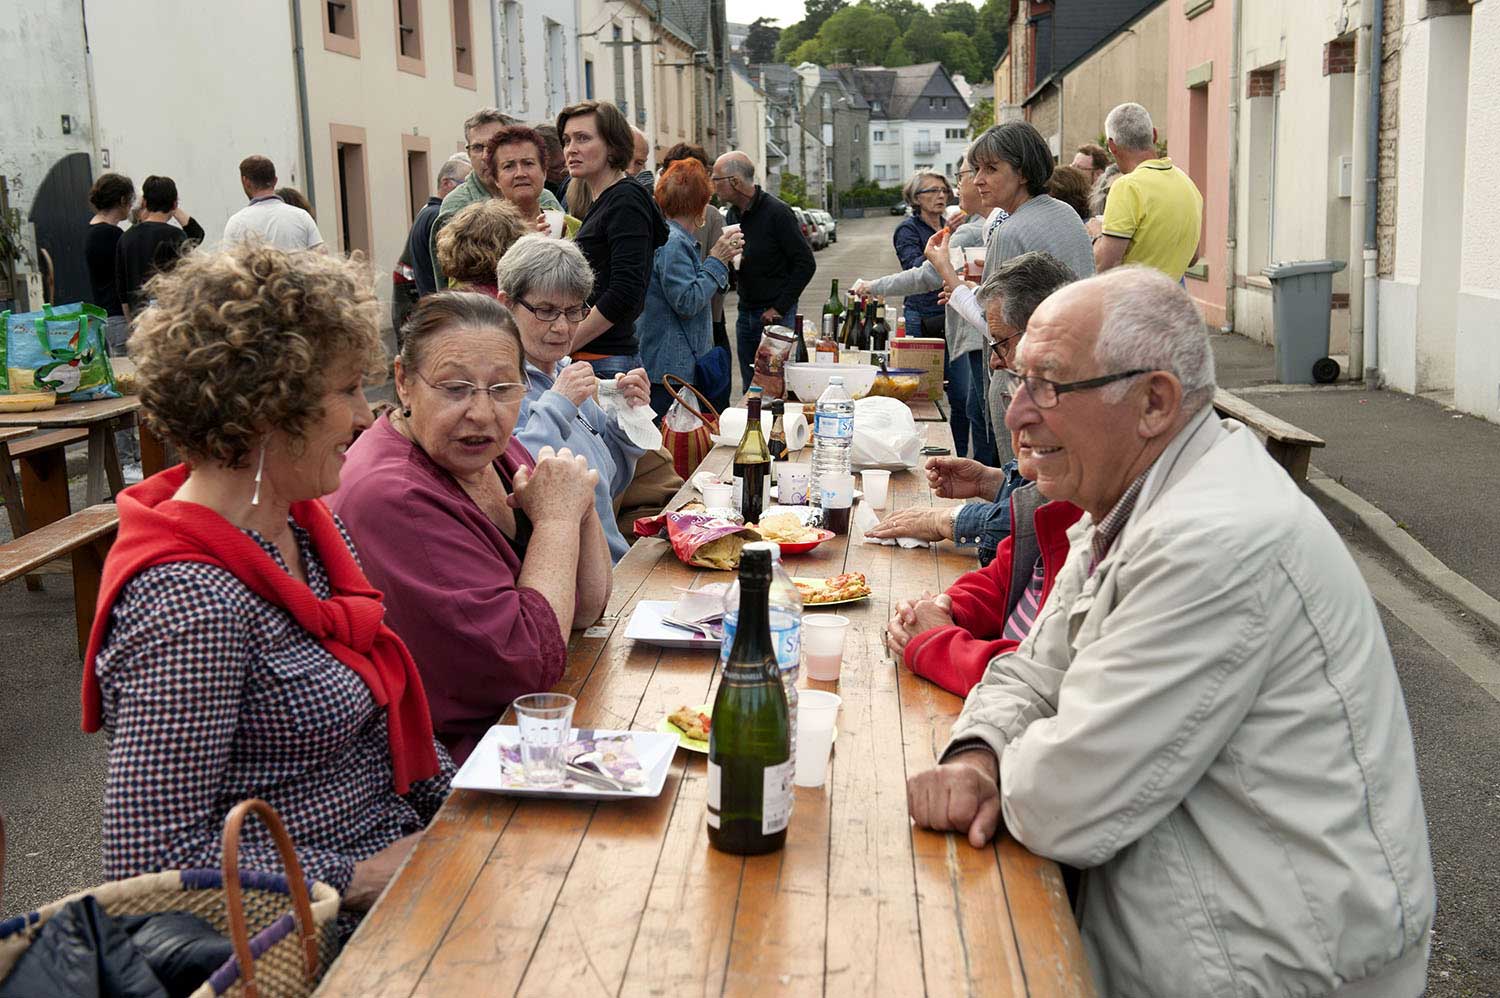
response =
{"points": [[59, 349]]}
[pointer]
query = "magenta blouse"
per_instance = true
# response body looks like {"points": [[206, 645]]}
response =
{"points": [[449, 578]]}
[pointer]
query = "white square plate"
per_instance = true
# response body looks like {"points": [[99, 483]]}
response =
{"points": [[646, 626], [481, 771]]}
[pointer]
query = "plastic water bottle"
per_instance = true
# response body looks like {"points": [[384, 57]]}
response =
{"points": [[833, 437], [786, 629]]}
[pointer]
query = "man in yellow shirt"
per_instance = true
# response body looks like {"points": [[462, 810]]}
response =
{"points": [[1154, 215]]}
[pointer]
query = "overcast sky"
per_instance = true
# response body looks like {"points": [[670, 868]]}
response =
{"points": [[784, 12]]}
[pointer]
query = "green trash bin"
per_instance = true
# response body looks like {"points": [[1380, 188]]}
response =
{"points": [[1301, 305]]}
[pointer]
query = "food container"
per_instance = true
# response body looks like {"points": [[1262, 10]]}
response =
{"points": [[808, 381], [923, 353], [900, 383]]}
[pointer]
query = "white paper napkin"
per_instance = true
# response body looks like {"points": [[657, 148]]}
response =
{"points": [[865, 518]]}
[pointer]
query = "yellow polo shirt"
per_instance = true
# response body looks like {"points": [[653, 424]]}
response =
{"points": [[1158, 208]]}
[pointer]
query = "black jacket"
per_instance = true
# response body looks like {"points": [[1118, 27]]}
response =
{"points": [[619, 238], [778, 262]]}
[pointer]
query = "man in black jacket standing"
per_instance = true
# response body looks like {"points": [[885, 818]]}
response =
{"points": [[777, 262]]}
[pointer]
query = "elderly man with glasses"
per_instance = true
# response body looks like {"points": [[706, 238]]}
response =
{"points": [[1205, 716], [1009, 296]]}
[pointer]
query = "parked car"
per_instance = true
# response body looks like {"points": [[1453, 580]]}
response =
{"points": [[811, 231], [900, 208], [830, 225]]}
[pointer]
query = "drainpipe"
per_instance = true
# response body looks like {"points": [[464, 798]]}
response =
{"points": [[1231, 242], [1371, 345], [299, 62]]}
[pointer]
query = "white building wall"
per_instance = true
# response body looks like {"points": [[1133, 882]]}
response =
{"points": [[897, 150], [1477, 340], [370, 93], [192, 114], [887, 152], [45, 76], [597, 21], [537, 58], [749, 121], [1308, 218]]}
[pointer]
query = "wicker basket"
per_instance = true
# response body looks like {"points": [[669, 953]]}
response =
{"points": [[282, 955]]}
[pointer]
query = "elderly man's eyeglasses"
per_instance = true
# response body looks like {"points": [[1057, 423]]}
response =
{"points": [[997, 347], [475, 148], [460, 392], [1044, 393], [549, 313]]}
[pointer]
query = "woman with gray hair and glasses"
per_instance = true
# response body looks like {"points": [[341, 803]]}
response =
{"points": [[488, 557], [545, 283]]}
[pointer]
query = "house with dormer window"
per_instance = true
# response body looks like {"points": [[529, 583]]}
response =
{"points": [[918, 119]]}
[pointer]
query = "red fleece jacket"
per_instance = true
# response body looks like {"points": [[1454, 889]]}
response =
{"points": [[955, 656]]}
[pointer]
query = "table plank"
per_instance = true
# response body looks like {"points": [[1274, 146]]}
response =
{"points": [[74, 413]]}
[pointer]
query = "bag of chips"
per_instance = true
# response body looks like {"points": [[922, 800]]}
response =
{"points": [[700, 539], [775, 349]]}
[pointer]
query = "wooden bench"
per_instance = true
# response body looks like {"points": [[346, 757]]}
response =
{"points": [[42, 495], [1290, 446], [86, 536]]}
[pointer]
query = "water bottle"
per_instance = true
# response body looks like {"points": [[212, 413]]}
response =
{"points": [[833, 436], [786, 628]]}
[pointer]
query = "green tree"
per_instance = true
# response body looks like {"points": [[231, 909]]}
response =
{"points": [[981, 116], [960, 56], [922, 39], [817, 12], [896, 55], [760, 43], [860, 35], [957, 15], [902, 10], [794, 190], [992, 25]]}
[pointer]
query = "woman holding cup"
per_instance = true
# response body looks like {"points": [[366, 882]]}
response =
{"points": [[518, 160]]}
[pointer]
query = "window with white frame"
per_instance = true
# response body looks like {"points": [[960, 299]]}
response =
{"points": [[879, 136], [557, 67], [512, 68]]}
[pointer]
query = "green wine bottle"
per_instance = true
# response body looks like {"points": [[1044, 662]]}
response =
{"points": [[749, 743], [752, 464], [833, 306]]}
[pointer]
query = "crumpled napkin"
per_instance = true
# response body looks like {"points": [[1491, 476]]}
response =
{"points": [[865, 518]]}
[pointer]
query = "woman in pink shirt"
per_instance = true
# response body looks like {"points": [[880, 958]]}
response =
{"points": [[487, 558]]}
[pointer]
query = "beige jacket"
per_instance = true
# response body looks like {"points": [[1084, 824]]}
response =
{"points": [[1211, 725]]}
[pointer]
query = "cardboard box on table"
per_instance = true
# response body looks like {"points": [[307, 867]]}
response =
{"points": [[925, 354]]}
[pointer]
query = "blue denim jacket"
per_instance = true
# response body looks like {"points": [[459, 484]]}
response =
{"points": [[548, 418], [988, 523], [909, 240], [676, 325]]}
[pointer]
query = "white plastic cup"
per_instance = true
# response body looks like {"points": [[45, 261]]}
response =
{"points": [[838, 491], [817, 716], [556, 220], [718, 495], [730, 230], [876, 484], [823, 645], [793, 479]]}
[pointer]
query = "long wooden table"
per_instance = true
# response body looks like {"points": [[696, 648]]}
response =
{"points": [[551, 898]]}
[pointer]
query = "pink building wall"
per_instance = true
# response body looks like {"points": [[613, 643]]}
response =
{"points": [[1198, 132]]}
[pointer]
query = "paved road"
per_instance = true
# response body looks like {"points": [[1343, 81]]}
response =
{"points": [[52, 776]]}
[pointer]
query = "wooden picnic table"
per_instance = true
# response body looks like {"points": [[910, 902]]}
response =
{"points": [[535, 897]]}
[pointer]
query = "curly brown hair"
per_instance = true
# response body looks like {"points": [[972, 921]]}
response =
{"points": [[1070, 185], [247, 340], [470, 246]]}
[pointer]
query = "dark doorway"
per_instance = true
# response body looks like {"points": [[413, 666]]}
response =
{"points": [[60, 211]]}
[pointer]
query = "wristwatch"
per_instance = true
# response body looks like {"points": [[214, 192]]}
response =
{"points": [[953, 521]]}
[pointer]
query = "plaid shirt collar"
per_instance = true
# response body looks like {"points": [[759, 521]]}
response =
{"points": [[1114, 521]]}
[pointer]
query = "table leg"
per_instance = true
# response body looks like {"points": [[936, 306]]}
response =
{"points": [[88, 573], [15, 507], [153, 450], [104, 463]]}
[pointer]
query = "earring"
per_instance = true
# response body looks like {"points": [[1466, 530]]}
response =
{"points": [[259, 470], [406, 412]]}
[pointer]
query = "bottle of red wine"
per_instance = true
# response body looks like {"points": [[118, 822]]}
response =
{"points": [[799, 349], [752, 464], [749, 743]]}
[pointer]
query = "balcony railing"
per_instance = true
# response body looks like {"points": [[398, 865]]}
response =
{"points": [[926, 148]]}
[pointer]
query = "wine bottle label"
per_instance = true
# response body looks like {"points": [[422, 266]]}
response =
{"points": [[826, 357], [713, 794], [738, 495], [828, 424], [776, 800]]}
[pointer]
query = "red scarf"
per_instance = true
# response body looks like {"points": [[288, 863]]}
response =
{"points": [[156, 529]]}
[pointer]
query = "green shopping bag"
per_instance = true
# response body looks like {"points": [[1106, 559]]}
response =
{"points": [[59, 349]]}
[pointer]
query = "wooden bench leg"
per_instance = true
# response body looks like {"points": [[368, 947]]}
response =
{"points": [[104, 463], [154, 455], [15, 506], [1293, 457], [44, 487], [88, 571]]}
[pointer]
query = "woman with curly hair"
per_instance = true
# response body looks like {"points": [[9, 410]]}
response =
{"points": [[239, 650], [470, 246]]}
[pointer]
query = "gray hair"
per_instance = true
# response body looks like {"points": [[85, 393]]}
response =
{"points": [[742, 168], [1151, 323], [454, 168], [550, 267], [1129, 125], [1022, 283], [914, 184], [1099, 196], [1019, 144], [487, 116]]}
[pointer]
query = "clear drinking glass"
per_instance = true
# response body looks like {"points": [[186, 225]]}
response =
{"points": [[545, 721]]}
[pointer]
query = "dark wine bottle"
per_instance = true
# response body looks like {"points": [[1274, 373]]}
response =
{"points": [[851, 319], [749, 743], [752, 464], [867, 331], [799, 349], [881, 332], [777, 444]]}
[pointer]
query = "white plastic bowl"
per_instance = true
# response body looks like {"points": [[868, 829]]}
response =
{"points": [[808, 381]]}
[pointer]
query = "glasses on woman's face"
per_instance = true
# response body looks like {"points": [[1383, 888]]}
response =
{"points": [[460, 392], [933, 190], [551, 313], [1045, 393]]}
